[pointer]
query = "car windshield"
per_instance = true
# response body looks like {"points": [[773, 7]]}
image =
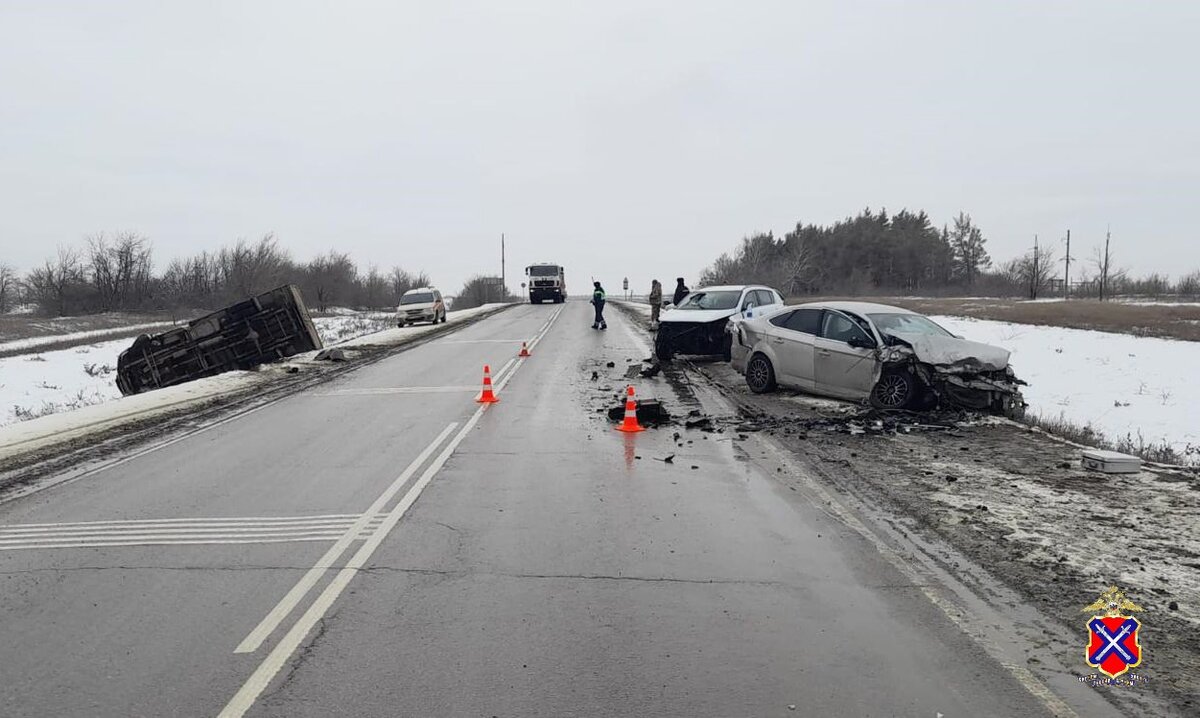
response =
{"points": [[543, 271], [422, 298], [711, 300], [907, 324]]}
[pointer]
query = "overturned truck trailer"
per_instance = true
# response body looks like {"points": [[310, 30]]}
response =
{"points": [[261, 329]]}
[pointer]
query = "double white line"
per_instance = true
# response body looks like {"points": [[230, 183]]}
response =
{"points": [[199, 531], [270, 666]]}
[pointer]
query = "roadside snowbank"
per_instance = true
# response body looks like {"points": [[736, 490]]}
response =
{"points": [[54, 428], [1122, 385], [32, 385]]}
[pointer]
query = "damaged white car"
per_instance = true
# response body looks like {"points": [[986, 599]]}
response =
{"points": [[888, 356], [697, 325]]}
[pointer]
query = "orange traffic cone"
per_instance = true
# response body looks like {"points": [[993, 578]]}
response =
{"points": [[524, 351], [631, 423], [486, 396]]}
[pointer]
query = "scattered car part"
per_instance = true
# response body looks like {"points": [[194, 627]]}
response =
{"points": [[1110, 462]]}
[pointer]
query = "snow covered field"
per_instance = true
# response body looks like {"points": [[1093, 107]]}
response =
{"points": [[1122, 385], [32, 385]]}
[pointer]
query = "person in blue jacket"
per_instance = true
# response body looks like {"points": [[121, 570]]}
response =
{"points": [[598, 302]]}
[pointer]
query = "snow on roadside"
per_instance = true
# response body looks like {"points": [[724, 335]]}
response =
{"points": [[1120, 384], [344, 325], [33, 385]]}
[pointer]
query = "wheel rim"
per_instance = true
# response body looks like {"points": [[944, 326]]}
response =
{"points": [[759, 374], [892, 391]]}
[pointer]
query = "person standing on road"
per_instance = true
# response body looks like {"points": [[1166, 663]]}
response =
{"points": [[598, 297], [655, 301], [681, 291]]}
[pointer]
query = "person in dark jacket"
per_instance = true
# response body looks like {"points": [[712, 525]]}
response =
{"points": [[598, 297], [681, 291]]}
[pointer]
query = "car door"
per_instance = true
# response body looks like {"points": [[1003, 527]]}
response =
{"points": [[791, 336], [839, 369], [767, 299]]}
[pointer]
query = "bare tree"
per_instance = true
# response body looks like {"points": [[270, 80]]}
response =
{"points": [[796, 268], [481, 290], [329, 278], [401, 280], [1189, 284], [1106, 273], [1035, 269], [374, 288], [60, 284], [121, 271], [8, 288], [247, 269]]}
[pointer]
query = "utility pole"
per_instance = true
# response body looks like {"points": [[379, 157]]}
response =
{"points": [[1033, 276], [1104, 265], [503, 286], [1067, 271]]}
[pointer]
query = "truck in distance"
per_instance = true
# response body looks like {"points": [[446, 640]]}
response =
{"points": [[546, 281]]}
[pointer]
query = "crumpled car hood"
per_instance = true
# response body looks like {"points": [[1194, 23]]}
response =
{"points": [[951, 354], [696, 316]]}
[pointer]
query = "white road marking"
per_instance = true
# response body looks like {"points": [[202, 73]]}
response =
{"points": [[384, 390], [269, 668], [233, 522], [483, 341], [293, 597], [159, 532], [177, 542]]}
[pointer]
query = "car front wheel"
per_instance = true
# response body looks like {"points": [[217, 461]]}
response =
{"points": [[662, 347], [895, 390], [760, 374]]}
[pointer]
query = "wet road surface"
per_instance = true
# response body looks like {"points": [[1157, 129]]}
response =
{"points": [[382, 546]]}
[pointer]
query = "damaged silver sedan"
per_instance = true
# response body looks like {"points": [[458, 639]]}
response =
{"points": [[887, 356]]}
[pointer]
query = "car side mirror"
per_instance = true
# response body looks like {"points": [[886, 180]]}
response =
{"points": [[861, 343]]}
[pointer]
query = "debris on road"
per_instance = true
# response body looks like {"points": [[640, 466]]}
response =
{"points": [[334, 355], [650, 412]]}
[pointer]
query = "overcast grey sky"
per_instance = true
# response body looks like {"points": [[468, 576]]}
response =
{"points": [[618, 138]]}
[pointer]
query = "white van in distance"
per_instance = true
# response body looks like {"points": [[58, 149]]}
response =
{"points": [[423, 304]]}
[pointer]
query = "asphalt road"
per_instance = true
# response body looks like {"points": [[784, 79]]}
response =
{"points": [[382, 546]]}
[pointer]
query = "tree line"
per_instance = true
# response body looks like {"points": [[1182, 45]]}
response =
{"points": [[905, 253], [117, 274]]}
